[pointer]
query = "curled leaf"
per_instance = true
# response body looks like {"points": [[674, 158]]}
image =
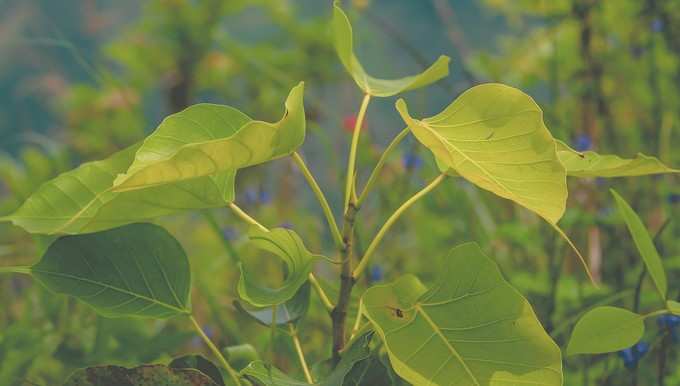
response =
{"points": [[342, 36]]}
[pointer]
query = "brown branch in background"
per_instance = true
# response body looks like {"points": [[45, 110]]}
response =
{"points": [[448, 16]]}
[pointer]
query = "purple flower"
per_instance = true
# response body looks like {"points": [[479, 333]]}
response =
{"points": [[265, 197], [377, 273], [632, 355], [582, 142], [229, 233], [286, 224], [673, 198], [411, 161], [657, 25], [668, 321]]}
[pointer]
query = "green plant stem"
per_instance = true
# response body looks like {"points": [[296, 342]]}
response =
{"points": [[390, 221], [300, 353], [232, 373], [335, 231], [655, 313], [23, 270], [351, 162], [357, 321], [322, 294], [315, 283], [381, 162]]}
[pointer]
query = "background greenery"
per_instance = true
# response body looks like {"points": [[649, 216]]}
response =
{"points": [[81, 79]]}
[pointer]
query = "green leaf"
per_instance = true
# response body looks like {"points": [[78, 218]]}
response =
{"points": [[81, 200], [135, 270], [342, 37], [673, 307], [206, 139], [644, 244], [605, 329], [260, 373], [289, 312], [150, 375], [591, 164], [199, 363], [494, 136], [471, 328], [287, 245]]}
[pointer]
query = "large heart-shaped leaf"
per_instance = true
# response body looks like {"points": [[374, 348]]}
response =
{"points": [[591, 164], [206, 139], [81, 200], [342, 36], [645, 245], [605, 329], [134, 270], [494, 136], [150, 375], [471, 328], [287, 245], [289, 312]]}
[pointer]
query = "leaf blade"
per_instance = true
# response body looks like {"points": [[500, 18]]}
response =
{"points": [[605, 329]]}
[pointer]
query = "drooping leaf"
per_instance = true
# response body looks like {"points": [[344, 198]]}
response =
{"points": [[241, 355], [673, 307], [591, 164], [134, 270], [287, 245], [206, 139], [289, 312], [470, 328], [343, 39], [494, 136], [605, 329], [260, 373], [644, 244], [81, 200], [150, 375], [200, 363]]}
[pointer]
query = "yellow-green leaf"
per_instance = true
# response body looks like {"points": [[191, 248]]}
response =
{"points": [[591, 164], [81, 200], [287, 245], [206, 139], [605, 329], [342, 36], [494, 136], [673, 307], [470, 328], [645, 245]]}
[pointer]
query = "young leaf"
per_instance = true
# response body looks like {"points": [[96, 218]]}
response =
{"points": [[673, 307], [644, 244], [591, 164], [150, 375], [199, 363], [135, 270], [470, 328], [605, 329], [81, 200], [342, 37], [206, 139], [289, 312], [287, 245], [493, 135]]}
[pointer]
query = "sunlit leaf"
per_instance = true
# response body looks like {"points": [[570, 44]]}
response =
{"points": [[289, 312], [342, 36], [673, 307], [644, 243], [199, 363], [81, 200], [493, 135], [151, 375], [605, 329], [206, 139], [134, 270], [591, 164], [470, 328], [287, 245]]}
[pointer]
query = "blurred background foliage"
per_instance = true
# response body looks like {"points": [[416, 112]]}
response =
{"points": [[80, 79]]}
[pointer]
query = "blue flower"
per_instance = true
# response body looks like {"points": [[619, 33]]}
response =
{"points": [[229, 233], [411, 161], [668, 321], [265, 197], [250, 196], [673, 198], [657, 25], [632, 355], [582, 142], [377, 273]]}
